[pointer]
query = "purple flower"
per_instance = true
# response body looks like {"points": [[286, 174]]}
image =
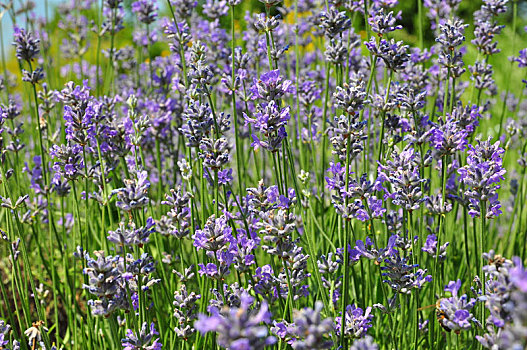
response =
{"points": [[239, 328], [452, 35], [214, 236], [448, 137], [484, 33], [37, 179], [144, 339], [522, 58], [518, 275], [455, 310], [267, 284], [403, 175], [216, 271], [215, 153], [146, 10], [135, 193], [506, 299], [336, 51], [376, 207], [105, 281], [27, 46], [242, 247], [357, 322], [185, 305], [481, 175], [215, 9], [310, 330], [482, 75], [129, 235], [69, 161], [382, 23], [467, 117], [489, 9], [347, 132], [367, 250], [81, 113], [177, 221], [333, 22], [439, 11], [365, 343], [270, 121], [269, 118], [5, 329], [280, 329], [351, 97], [402, 277], [183, 8], [225, 176], [394, 54], [271, 86], [430, 247], [197, 123]]}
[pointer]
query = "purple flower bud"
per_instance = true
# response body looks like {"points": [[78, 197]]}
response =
{"points": [[27, 46], [357, 322], [144, 339], [382, 23], [454, 311], [146, 10], [240, 327], [394, 54]]}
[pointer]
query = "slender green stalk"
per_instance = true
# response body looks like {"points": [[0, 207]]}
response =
{"points": [[149, 53], [240, 170], [324, 129], [37, 116], [420, 22], [181, 48], [442, 219], [514, 21], [109, 67], [383, 117], [26, 263]]}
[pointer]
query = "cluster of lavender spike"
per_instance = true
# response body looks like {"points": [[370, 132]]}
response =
{"points": [[294, 191], [503, 295]]}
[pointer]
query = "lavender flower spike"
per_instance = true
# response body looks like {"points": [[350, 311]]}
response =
{"points": [[240, 327], [454, 312], [144, 339]]}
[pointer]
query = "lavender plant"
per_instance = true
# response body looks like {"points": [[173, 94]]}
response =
{"points": [[298, 174]]}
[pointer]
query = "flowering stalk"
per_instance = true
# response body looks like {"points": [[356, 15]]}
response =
{"points": [[181, 49], [37, 115], [514, 21], [327, 72], [298, 140], [383, 117], [366, 165], [239, 145], [420, 22], [268, 37], [109, 68], [25, 258], [442, 219]]}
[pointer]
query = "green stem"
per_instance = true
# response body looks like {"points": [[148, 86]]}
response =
{"points": [[181, 48], [238, 144], [324, 135], [383, 117], [420, 22], [41, 144], [514, 20], [149, 52]]}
